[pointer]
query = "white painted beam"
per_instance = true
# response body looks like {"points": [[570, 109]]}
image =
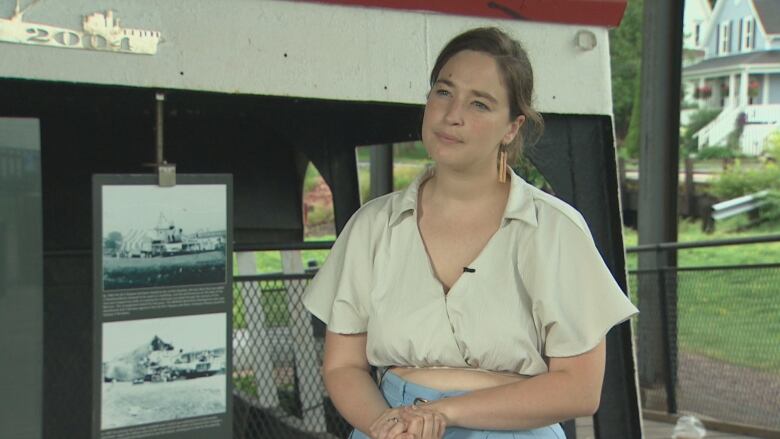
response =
{"points": [[301, 49]]}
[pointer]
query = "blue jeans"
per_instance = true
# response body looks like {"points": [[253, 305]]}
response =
{"points": [[398, 392]]}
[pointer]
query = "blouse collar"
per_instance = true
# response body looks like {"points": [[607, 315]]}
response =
{"points": [[519, 206]]}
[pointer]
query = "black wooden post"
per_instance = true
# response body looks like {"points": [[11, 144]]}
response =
{"points": [[690, 189], [658, 181], [381, 169], [577, 157], [344, 183]]}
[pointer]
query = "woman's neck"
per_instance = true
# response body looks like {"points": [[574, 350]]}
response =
{"points": [[452, 187]]}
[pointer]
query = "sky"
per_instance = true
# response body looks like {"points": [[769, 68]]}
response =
{"points": [[191, 207], [196, 332]]}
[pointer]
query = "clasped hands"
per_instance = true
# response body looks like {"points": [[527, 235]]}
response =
{"points": [[409, 422]]}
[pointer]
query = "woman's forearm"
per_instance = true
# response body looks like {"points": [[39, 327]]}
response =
{"points": [[355, 395], [533, 403]]}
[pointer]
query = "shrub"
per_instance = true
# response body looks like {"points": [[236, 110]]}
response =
{"points": [[404, 175], [716, 152], [772, 148], [364, 183], [737, 181], [525, 169], [311, 179], [320, 215], [630, 147], [410, 151]]}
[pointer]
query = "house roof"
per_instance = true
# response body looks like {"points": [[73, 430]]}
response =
{"points": [[763, 57], [769, 13]]}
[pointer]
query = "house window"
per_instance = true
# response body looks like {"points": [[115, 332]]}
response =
{"points": [[697, 34], [725, 38], [748, 34]]}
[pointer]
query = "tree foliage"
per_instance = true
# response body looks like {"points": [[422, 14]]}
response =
{"points": [[625, 50], [631, 145], [113, 242]]}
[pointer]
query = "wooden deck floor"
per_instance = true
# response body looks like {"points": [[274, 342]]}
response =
{"points": [[652, 429]]}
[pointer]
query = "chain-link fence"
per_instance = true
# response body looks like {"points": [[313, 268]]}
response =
{"points": [[277, 352], [723, 352], [722, 342]]}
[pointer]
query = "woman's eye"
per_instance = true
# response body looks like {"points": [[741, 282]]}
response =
{"points": [[481, 105], [442, 92]]}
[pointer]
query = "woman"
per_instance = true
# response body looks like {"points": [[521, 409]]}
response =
{"points": [[483, 298]]}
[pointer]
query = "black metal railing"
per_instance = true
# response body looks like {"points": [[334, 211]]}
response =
{"points": [[721, 330]]}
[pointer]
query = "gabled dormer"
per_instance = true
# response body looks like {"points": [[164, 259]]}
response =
{"points": [[743, 26], [697, 15]]}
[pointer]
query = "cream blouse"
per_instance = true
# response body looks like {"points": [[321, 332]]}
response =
{"points": [[538, 288]]}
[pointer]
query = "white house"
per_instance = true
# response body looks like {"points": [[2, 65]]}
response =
{"points": [[740, 73], [696, 17]]}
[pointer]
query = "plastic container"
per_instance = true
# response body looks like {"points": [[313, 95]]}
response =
{"points": [[689, 427]]}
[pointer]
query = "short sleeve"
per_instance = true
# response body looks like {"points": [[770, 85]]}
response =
{"points": [[575, 297], [338, 294]]}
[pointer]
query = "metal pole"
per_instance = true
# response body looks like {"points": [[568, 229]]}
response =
{"points": [[658, 181], [159, 113]]}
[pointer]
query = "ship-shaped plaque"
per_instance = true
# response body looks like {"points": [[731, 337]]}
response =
{"points": [[100, 31]]}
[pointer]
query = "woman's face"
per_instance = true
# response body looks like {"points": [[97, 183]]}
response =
{"points": [[467, 113]]}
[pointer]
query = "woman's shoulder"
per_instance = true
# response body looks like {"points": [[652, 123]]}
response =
{"points": [[377, 211], [551, 211]]}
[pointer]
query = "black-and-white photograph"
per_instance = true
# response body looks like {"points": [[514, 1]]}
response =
{"points": [[162, 369], [163, 236]]}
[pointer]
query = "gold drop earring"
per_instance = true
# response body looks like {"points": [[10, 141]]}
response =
{"points": [[502, 163]]}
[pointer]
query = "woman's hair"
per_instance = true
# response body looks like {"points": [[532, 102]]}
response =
{"points": [[515, 68]]}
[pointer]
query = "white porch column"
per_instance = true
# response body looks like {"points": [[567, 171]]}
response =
{"points": [[743, 88], [765, 94], [732, 91]]}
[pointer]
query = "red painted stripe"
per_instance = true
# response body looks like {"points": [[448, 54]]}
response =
{"points": [[606, 13]]}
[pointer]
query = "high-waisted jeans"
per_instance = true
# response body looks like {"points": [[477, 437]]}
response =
{"points": [[398, 392]]}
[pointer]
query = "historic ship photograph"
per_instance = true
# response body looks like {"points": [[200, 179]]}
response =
{"points": [[184, 245]]}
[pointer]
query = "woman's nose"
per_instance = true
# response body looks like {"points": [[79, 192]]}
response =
{"points": [[454, 113]]}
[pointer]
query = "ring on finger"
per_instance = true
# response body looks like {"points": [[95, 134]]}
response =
{"points": [[394, 420]]}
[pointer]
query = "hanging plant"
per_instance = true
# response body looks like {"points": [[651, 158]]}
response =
{"points": [[753, 88], [702, 92]]}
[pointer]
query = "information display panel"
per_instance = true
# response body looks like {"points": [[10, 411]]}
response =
{"points": [[163, 307]]}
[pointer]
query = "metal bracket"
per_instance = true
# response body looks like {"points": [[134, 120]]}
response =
{"points": [[166, 172], [166, 175]]}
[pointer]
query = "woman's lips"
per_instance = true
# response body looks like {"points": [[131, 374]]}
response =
{"points": [[446, 138]]}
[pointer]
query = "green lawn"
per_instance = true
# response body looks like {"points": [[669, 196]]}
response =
{"points": [[731, 255], [730, 315], [733, 316]]}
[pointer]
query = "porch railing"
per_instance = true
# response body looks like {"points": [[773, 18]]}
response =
{"points": [[763, 114], [718, 130], [754, 138], [761, 120]]}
